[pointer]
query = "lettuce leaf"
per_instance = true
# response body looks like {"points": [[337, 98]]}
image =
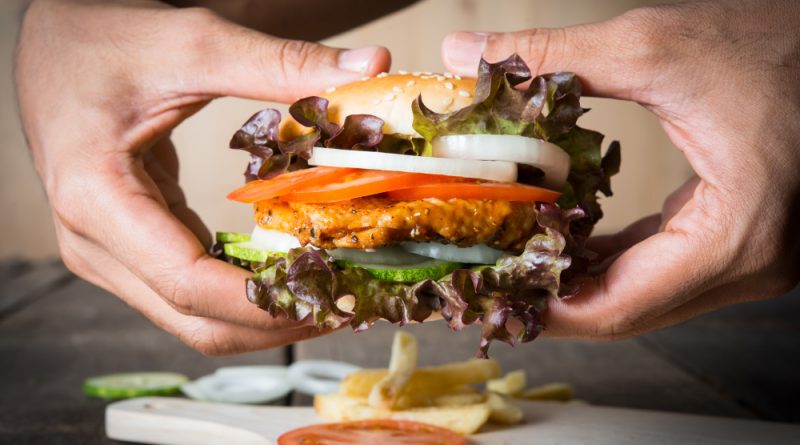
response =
{"points": [[270, 157], [308, 284], [499, 107]]}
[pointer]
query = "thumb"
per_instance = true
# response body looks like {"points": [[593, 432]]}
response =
{"points": [[609, 57], [246, 63]]}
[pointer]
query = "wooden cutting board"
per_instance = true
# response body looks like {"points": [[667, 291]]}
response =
{"points": [[172, 421]]}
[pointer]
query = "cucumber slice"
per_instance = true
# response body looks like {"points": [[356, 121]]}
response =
{"points": [[135, 384], [249, 251], [432, 269], [232, 237]]}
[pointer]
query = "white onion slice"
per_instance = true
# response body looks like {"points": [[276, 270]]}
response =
{"points": [[550, 158], [501, 171], [478, 254], [319, 376], [241, 388], [382, 255], [273, 240]]}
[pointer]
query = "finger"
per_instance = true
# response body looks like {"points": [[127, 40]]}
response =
{"points": [[612, 58], [648, 280], [713, 300], [138, 230], [608, 245], [209, 336], [229, 60]]}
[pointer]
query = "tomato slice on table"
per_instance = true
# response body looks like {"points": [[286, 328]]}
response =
{"points": [[474, 190], [286, 183], [371, 432], [365, 183]]}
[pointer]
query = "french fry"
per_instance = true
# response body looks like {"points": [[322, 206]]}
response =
{"points": [[503, 410], [409, 400], [402, 363], [463, 419], [510, 384], [458, 399], [558, 392], [424, 382]]}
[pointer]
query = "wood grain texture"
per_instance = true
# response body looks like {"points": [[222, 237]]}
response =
{"points": [[23, 284], [749, 353], [78, 331], [616, 374], [182, 422]]}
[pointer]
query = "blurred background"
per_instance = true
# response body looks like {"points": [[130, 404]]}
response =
{"points": [[651, 166]]}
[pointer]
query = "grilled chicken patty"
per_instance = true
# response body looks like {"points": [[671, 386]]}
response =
{"points": [[372, 222]]}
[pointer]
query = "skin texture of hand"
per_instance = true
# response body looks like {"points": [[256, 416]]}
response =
{"points": [[101, 85], [724, 80]]}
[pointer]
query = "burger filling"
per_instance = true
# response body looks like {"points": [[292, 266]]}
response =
{"points": [[481, 215]]}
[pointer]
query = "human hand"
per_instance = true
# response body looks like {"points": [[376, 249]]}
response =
{"points": [[723, 78], [100, 86]]}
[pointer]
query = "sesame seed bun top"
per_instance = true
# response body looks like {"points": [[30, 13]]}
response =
{"points": [[389, 97]]}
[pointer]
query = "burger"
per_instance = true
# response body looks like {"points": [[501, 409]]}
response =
{"points": [[410, 196]]}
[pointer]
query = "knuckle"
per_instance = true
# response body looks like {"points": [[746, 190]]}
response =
{"points": [[198, 30], [642, 34], [206, 339], [179, 295], [66, 201], [204, 343], [72, 260], [290, 56]]}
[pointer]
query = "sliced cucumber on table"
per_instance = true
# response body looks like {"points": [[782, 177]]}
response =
{"points": [[134, 384]]}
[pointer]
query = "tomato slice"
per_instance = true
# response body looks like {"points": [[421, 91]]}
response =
{"points": [[371, 432], [286, 183], [473, 190], [365, 183]]}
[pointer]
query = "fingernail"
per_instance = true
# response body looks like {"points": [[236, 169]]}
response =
{"points": [[462, 51], [357, 60]]}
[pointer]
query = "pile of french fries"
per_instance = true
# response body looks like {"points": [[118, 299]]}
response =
{"points": [[442, 395]]}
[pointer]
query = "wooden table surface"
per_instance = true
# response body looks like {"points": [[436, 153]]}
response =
{"points": [[56, 330]]}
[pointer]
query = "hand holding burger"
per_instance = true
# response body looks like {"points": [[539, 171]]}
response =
{"points": [[101, 86], [723, 80]]}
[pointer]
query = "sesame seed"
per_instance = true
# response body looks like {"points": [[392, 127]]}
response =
{"points": [[410, 83], [416, 73], [389, 97], [426, 77], [383, 74], [330, 90], [447, 101], [403, 72], [397, 89], [448, 85], [463, 93], [439, 78], [427, 73], [365, 78]]}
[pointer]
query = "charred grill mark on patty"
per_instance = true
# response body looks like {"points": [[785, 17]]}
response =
{"points": [[376, 222]]}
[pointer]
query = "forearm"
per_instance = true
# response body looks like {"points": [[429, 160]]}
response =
{"points": [[299, 19]]}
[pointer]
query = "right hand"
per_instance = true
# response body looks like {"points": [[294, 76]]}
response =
{"points": [[724, 80], [100, 86]]}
